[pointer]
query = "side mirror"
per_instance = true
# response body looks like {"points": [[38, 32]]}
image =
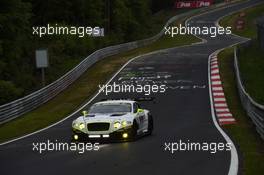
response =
{"points": [[140, 110], [85, 113]]}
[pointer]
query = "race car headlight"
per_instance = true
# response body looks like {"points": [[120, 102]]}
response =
{"points": [[124, 123], [117, 125], [75, 125], [81, 126]]}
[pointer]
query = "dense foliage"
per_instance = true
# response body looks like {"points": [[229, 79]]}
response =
{"points": [[123, 20]]}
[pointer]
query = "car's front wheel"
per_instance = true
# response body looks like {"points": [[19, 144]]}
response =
{"points": [[134, 133], [150, 124]]}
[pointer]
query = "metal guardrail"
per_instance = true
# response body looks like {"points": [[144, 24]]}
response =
{"points": [[25, 104], [254, 110]]}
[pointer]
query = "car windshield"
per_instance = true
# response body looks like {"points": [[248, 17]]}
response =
{"points": [[110, 108]]}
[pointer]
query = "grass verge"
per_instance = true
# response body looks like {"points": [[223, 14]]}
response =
{"points": [[81, 90], [251, 59], [251, 64], [244, 134], [251, 15]]}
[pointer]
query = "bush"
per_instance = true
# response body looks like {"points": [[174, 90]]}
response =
{"points": [[8, 91]]}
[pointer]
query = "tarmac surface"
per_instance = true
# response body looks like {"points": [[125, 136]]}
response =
{"points": [[182, 113]]}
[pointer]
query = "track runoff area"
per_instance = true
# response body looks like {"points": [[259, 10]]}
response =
{"points": [[187, 113]]}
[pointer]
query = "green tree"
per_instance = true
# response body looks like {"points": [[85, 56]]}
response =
{"points": [[14, 40], [8, 91]]}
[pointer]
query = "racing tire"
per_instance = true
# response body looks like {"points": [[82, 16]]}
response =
{"points": [[150, 124], [134, 134]]}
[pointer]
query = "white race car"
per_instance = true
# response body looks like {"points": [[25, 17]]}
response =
{"points": [[113, 119]]}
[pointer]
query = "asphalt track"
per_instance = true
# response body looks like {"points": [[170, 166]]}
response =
{"points": [[182, 113]]}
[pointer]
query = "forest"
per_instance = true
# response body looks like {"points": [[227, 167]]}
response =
{"points": [[123, 21]]}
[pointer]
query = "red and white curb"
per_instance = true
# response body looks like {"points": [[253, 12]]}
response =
{"points": [[222, 111]]}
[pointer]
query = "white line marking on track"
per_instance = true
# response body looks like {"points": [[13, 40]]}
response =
{"points": [[226, 119], [214, 62], [217, 88], [218, 93], [222, 110], [219, 99], [213, 59], [215, 77], [220, 104], [214, 66], [216, 82], [225, 115], [215, 71]]}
